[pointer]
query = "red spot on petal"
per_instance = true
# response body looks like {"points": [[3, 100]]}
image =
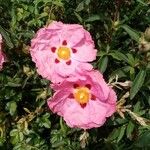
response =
{"points": [[88, 86], [64, 43], [71, 95], [76, 85], [57, 61], [83, 105], [93, 97], [68, 62], [74, 50], [53, 49]]}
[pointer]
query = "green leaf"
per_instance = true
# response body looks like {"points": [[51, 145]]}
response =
{"points": [[119, 56], [130, 128], [6, 37], [78, 17], [137, 83], [132, 73], [137, 107], [12, 106], [46, 121], [93, 18], [121, 133], [11, 84], [58, 144], [141, 2], [121, 72], [113, 135], [80, 7], [87, 2], [16, 136], [132, 33], [58, 3], [102, 65], [131, 59]]}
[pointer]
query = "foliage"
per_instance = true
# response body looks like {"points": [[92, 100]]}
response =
{"points": [[117, 28]]}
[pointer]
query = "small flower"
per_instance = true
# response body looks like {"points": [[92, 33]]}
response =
{"points": [[144, 46], [83, 100], [59, 49], [2, 56]]}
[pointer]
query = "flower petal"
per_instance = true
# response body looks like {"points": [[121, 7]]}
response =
{"points": [[93, 115], [73, 34], [45, 66], [85, 53], [64, 69], [57, 102], [112, 98], [101, 89]]}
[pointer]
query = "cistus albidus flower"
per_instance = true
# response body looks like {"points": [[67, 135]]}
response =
{"points": [[84, 101], [2, 56], [58, 49]]}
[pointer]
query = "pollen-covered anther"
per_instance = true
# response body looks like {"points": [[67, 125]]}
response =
{"points": [[83, 105], [68, 62], [64, 53], [76, 86], [74, 50], [53, 49], [71, 96], [82, 95], [64, 43], [88, 86], [93, 97], [57, 61]]}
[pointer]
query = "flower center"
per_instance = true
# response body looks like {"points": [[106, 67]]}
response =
{"points": [[82, 95], [63, 53]]}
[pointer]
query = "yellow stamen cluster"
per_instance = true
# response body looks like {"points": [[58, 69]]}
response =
{"points": [[63, 53], [82, 95]]}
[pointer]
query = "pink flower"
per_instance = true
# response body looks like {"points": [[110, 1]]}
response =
{"points": [[2, 56], [59, 49], [84, 101]]}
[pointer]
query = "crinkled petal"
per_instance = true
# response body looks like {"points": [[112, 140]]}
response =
{"points": [[85, 53], [55, 25], [101, 89], [73, 36], [111, 101], [57, 102], [44, 40], [65, 70], [62, 85], [45, 66], [93, 115]]}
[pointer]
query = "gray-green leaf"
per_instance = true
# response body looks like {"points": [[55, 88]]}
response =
{"points": [[103, 63], [132, 33], [137, 83], [6, 37]]}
